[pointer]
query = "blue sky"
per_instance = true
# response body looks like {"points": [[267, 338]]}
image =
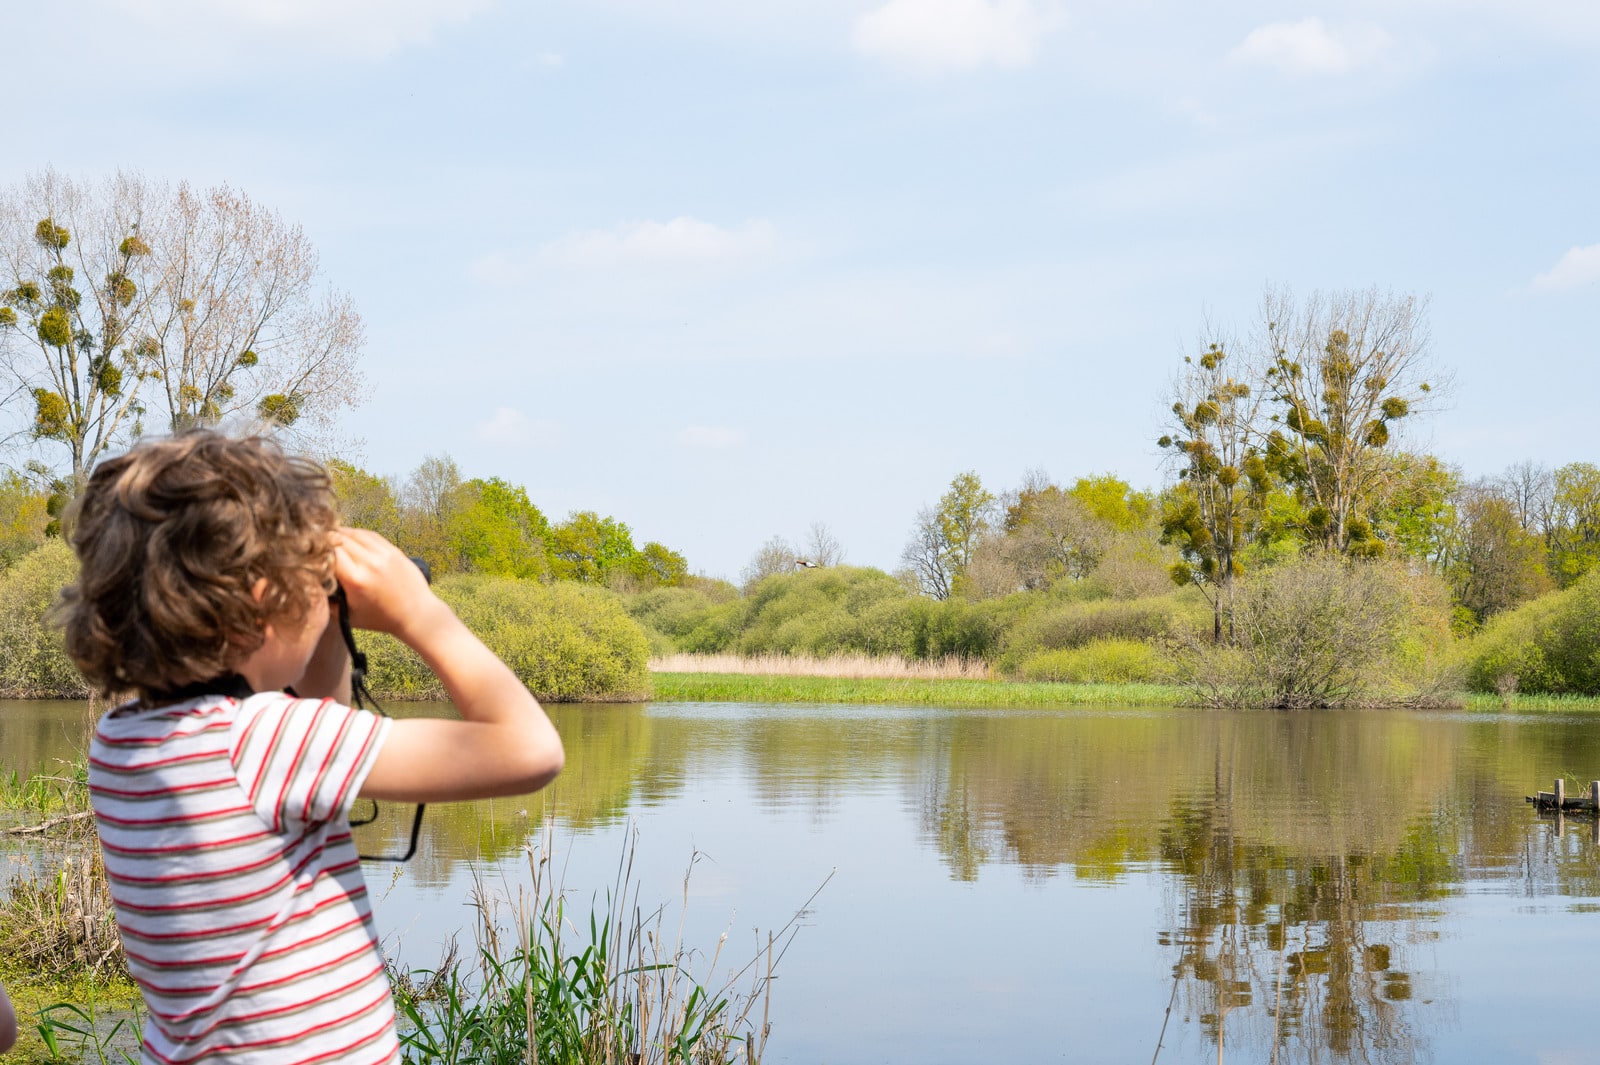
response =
{"points": [[726, 269]]}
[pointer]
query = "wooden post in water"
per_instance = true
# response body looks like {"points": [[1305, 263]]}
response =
{"points": [[1594, 795], [1561, 792]]}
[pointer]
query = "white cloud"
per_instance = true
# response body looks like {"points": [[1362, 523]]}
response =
{"points": [[1309, 47], [953, 34], [1578, 267], [710, 436], [681, 242], [368, 27], [510, 427]]}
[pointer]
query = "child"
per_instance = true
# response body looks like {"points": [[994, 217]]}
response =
{"points": [[222, 792]]}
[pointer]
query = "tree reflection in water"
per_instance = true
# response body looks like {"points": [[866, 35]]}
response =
{"points": [[1307, 859]]}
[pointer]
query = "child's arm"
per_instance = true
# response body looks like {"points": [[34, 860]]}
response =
{"points": [[8, 1022], [505, 746]]}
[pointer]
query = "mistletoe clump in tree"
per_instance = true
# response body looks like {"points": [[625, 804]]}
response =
{"points": [[1223, 480], [1344, 371], [128, 299]]}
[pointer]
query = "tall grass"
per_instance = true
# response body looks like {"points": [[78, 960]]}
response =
{"points": [[850, 666], [612, 988], [909, 691]]}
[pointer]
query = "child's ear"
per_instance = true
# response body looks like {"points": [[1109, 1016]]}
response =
{"points": [[258, 590]]}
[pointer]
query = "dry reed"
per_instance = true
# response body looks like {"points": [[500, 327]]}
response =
{"points": [[842, 666]]}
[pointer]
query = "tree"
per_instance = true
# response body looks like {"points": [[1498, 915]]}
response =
{"points": [[1574, 536], [822, 547], [775, 556], [1345, 370], [1051, 535], [945, 538], [1529, 488], [366, 501], [430, 496], [589, 548], [494, 528], [1222, 478], [964, 515], [926, 557], [656, 566], [125, 295], [240, 321], [1493, 563], [1418, 515], [24, 517]]}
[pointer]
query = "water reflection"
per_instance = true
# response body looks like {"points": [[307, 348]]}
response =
{"points": [[1311, 868]]}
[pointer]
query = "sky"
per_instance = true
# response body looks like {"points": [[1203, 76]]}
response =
{"points": [[726, 269]]}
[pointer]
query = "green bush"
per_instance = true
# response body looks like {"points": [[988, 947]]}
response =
{"points": [[33, 663], [1099, 661], [1054, 624], [567, 642], [1550, 646]]}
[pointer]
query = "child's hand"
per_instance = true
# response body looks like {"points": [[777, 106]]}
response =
{"points": [[385, 589]]}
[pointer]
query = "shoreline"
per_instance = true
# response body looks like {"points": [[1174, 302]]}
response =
{"points": [[972, 694]]}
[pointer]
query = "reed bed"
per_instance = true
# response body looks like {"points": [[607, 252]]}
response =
{"points": [[841, 666]]}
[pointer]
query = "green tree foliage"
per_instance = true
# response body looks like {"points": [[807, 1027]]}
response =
{"points": [[1574, 521], [1418, 515], [946, 537], [366, 501], [1492, 563], [1217, 507], [33, 662], [1344, 370], [1549, 646], [24, 517], [494, 529], [589, 548]]}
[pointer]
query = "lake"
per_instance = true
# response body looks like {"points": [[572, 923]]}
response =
{"points": [[1042, 886]]}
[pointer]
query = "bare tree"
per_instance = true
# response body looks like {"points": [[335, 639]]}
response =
{"points": [[1530, 489], [775, 556], [126, 294], [822, 547], [927, 555], [240, 323]]}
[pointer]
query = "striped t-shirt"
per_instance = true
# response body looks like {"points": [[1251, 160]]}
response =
{"points": [[243, 912]]}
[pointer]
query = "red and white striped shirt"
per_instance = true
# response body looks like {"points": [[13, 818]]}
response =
{"points": [[238, 892]]}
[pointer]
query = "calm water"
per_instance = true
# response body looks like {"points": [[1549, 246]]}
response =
{"points": [[1040, 886]]}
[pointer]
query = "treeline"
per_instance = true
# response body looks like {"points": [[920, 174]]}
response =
{"points": [[490, 527]]}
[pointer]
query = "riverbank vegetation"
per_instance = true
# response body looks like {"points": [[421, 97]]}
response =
{"points": [[1300, 556]]}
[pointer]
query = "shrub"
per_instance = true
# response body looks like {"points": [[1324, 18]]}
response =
{"points": [[567, 642], [33, 663], [1324, 631], [1056, 625], [1100, 661], [1550, 646]]}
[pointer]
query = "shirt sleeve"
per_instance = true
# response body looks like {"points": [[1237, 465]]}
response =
{"points": [[302, 761]]}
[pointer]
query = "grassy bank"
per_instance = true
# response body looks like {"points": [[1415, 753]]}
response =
{"points": [[906, 691], [1531, 704], [1004, 694]]}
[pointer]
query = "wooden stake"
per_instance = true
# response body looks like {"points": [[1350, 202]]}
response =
{"points": [[1561, 792]]}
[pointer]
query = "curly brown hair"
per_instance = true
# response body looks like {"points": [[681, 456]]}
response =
{"points": [[172, 539]]}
